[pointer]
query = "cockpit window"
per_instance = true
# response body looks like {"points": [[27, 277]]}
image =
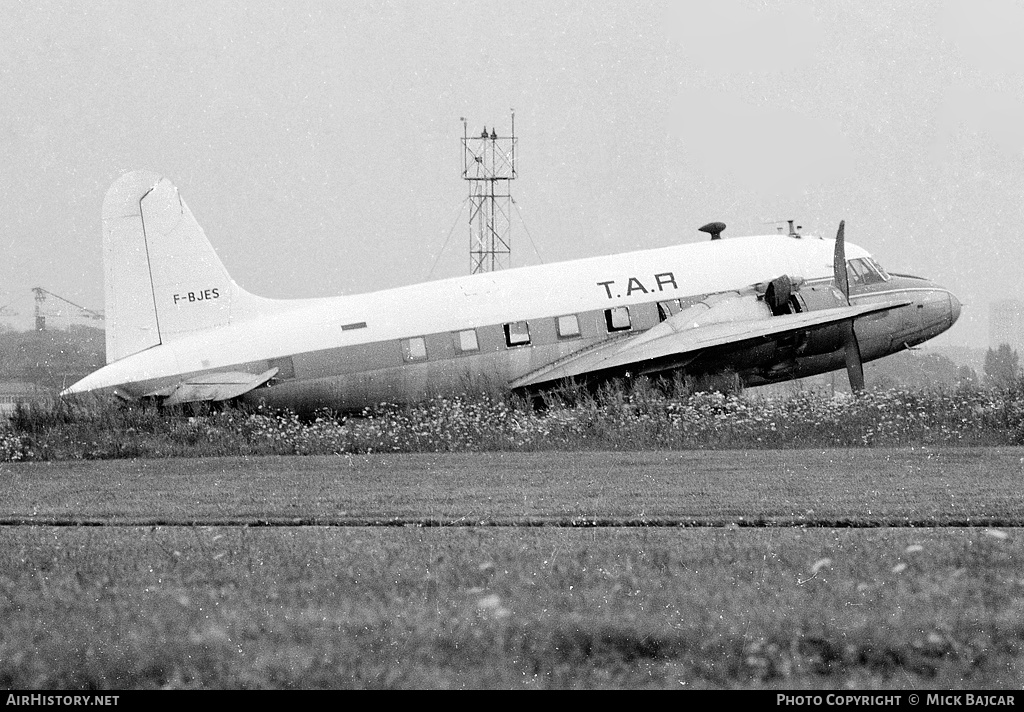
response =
{"points": [[865, 270], [879, 268]]}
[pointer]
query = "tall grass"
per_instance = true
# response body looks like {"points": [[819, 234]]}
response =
{"points": [[505, 608], [641, 416]]}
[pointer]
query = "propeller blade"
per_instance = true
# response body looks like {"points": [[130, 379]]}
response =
{"points": [[854, 365], [839, 262]]}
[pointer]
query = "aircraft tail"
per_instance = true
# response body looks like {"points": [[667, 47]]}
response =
{"points": [[162, 278]]}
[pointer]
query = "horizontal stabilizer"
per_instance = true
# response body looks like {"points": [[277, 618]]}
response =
{"points": [[681, 346], [213, 387]]}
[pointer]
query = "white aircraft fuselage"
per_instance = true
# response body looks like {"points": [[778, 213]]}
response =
{"points": [[179, 329]]}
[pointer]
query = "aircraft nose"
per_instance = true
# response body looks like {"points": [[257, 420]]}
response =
{"points": [[954, 309]]}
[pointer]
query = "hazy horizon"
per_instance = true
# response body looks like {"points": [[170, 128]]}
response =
{"points": [[319, 143]]}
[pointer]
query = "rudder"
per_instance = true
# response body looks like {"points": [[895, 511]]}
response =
{"points": [[163, 279]]}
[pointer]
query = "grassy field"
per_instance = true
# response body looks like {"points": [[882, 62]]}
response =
{"points": [[507, 608], [200, 576], [849, 487]]}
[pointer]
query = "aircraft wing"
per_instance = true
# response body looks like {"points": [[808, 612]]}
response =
{"points": [[218, 386], [674, 343]]}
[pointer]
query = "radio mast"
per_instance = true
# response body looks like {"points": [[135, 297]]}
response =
{"points": [[489, 164]]}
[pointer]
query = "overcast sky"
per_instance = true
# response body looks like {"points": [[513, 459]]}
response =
{"points": [[319, 144]]}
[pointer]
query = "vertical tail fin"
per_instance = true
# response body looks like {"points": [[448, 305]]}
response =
{"points": [[163, 279]]}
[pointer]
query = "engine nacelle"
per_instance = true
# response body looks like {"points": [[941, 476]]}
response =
{"points": [[777, 295]]}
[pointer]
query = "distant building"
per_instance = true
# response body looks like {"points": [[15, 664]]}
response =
{"points": [[14, 392], [1006, 324]]}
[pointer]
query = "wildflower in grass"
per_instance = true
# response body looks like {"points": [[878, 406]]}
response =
{"points": [[820, 564], [616, 417], [491, 605], [14, 448]]}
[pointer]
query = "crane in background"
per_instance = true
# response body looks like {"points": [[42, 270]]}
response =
{"points": [[5, 312], [41, 295]]}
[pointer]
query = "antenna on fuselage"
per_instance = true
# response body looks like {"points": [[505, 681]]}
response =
{"points": [[715, 229], [793, 231]]}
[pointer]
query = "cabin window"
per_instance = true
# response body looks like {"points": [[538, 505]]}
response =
{"points": [[669, 309], [617, 318], [465, 341], [517, 333], [414, 349], [568, 326]]}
